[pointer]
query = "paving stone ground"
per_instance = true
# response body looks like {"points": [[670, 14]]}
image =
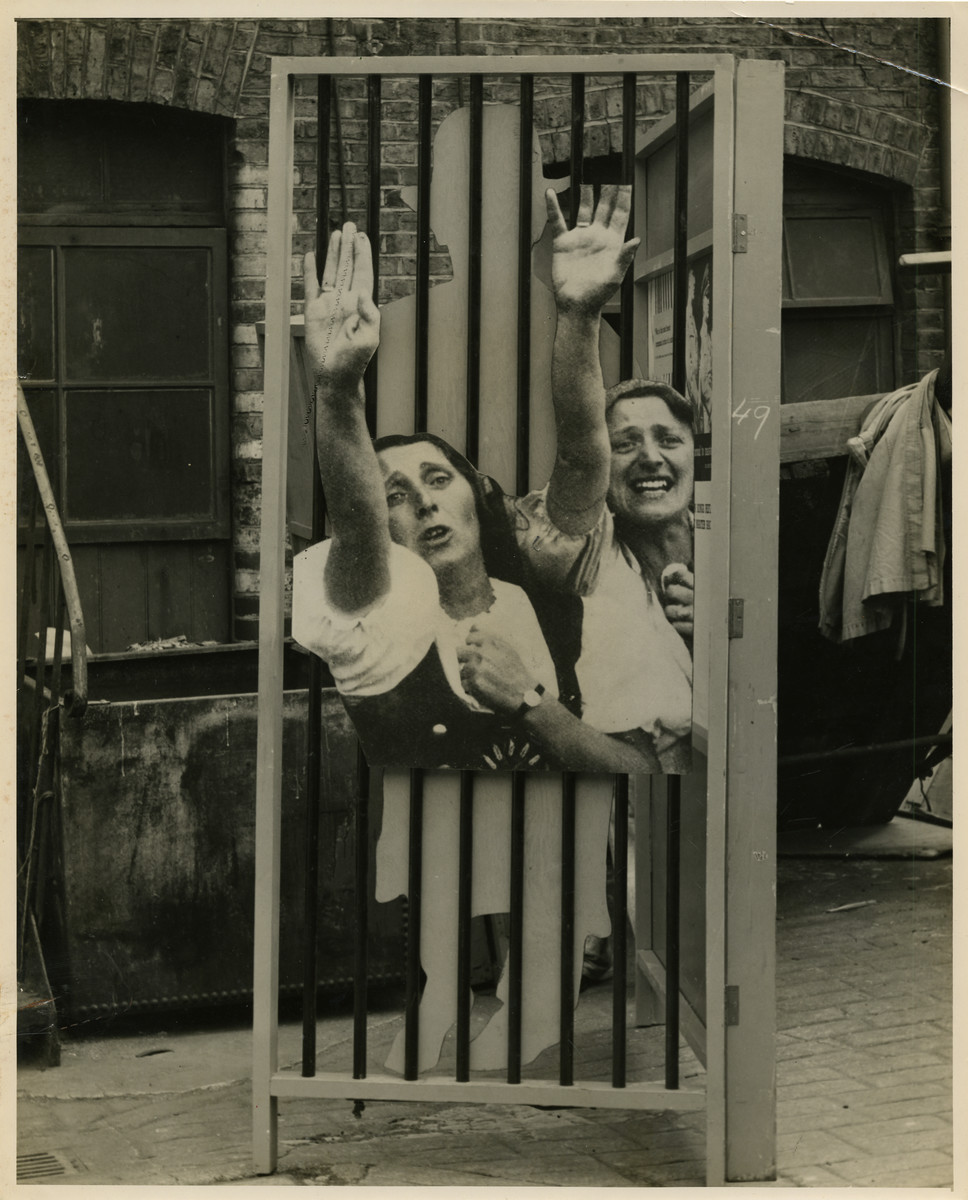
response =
{"points": [[864, 1069]]}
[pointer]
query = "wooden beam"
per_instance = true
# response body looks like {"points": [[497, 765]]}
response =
{"points": [[588, 1094], [820, 428]]}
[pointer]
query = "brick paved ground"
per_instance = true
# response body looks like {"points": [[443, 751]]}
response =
{"points": [[864, 1022], [864, 1077]]}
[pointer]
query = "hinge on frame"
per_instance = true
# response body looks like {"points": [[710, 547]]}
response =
{"points": [[740, 233], [735, 621], [732, 1004]]}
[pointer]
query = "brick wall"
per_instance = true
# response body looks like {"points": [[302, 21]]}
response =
{"points": [[847, 104]]}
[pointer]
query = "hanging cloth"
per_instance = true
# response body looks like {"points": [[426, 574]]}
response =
{"points": [[887, 543]]}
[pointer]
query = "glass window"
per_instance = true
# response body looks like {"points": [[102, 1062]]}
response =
{"points": [[838, 302]]}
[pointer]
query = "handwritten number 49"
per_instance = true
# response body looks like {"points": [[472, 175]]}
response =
{"points": [[759, 413]]}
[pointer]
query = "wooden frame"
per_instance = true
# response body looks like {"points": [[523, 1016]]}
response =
{"points": [[749, 96]]}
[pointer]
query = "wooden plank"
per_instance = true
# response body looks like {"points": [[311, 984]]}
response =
{"points": [[691, 1023], [124, 596], [265, 1048], [750, 1052], [820, 428], [591, 1094], [449, 64]]}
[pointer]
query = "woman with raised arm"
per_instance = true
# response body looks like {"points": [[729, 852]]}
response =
{"points": [[611, 511], [439, 660]]}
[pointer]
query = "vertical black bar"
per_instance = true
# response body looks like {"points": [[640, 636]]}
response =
{"points": [[679, 292], [465, 857], [680, 266], [619, 928], [324, 98], [627, 327], [672, 935], [361, 895], [421, 352], [566, 1016], [412, 1015], [373, 203], [577, 141], [516, 931], [315, 682], [475, 187], [526, 135]]}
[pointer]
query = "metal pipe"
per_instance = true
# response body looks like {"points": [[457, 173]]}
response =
{"points": [[475, 184], [673, 791], [619, 929], [680, 266], [415, 883], [361, 897], [627, 328], [422, 321], [516, 930], [672, 933], [465, 855], [816, 756], [525, 137], [566, 1015], [577, 141], [315, 682], [373, 204]]}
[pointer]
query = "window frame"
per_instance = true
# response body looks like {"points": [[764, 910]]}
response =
{"points": [[216, 381]]}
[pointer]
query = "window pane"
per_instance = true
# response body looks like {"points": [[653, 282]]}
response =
{"points": [[825, 358], [139, 455], [137, 313], [179, 169], [835, 259], [109, 157], [661, 188], [59, 159], [35, 312]]}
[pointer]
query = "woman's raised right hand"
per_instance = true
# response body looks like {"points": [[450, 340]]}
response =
{"points": [[342, 322]]}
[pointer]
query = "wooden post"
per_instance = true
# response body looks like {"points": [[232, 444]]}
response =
{"points": [[750, 1003], [268, 819]]}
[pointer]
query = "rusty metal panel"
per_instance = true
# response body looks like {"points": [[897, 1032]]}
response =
{"points": [[157, 814]]}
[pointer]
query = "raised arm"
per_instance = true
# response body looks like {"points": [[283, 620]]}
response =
{"points": [[587, 266], [342, 333]]}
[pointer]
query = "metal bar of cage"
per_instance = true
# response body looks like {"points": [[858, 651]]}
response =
{"points": [[673, 789], [566, 1016], [314, 733]]}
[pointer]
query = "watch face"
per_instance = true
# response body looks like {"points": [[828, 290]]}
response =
{"points": [[532, 698]]}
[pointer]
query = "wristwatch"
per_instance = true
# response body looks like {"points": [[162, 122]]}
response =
{"points": [[531, 699]]}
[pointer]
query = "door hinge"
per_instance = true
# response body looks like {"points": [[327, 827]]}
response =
{"points": [[740, 233], [735, 623], [732, 1004]]}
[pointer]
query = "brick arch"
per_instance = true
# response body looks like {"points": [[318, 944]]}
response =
{"points": [[198, 65], [851, 135]]}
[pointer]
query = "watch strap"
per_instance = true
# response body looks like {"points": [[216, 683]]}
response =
{"points": [[525, 707]]}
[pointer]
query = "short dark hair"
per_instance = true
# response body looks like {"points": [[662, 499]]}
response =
{"points": [[681, 408]]}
